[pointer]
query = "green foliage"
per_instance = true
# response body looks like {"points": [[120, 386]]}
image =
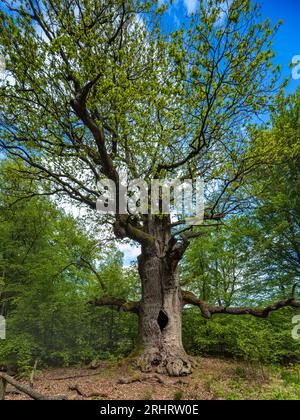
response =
{"points": [[251, 382], [247, 338], [254, 259], [46, 285], [17, 353], [178, 396], [162, 104]]}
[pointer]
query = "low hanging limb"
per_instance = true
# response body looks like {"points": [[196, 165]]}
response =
{"points": [[6, 379], [120, 304], [209, 310], [188, 298]]}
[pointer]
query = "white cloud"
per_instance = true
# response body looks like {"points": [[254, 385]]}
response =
{"points": [[176, 21], [224, 12], [131, 252], [191, 6], [5, 76]]}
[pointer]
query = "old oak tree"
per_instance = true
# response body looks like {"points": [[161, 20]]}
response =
{"points": [[94, 87]]}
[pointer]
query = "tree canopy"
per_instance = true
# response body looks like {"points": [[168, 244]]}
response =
{"points": [[91, 82]]}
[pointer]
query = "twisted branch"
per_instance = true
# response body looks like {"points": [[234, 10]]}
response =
{"points": [[209, 310]]}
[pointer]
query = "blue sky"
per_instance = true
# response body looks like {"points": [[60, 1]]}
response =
{"points": [[287, 41]]}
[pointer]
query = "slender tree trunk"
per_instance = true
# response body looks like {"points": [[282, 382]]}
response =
{"points": [[160, 323]]}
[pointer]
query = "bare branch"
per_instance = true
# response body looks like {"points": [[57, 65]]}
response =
{"points": [[118, 303], [94, 271], [207, 217], [209, 310]]}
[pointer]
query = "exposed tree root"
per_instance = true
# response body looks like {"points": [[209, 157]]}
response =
{"points": [[81, 393], [172, 362], [141, 378]]}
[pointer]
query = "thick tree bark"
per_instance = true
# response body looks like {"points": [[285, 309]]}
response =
{"points": [[160, 316]]}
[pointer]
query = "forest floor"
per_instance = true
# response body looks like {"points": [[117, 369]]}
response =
{"points": [[214, 379]]}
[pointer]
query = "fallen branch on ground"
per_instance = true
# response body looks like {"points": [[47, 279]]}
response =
{"points": [[66, 378], [6, 379]]}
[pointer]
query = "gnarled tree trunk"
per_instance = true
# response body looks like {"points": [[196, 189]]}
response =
{"points": [[160, 345], [160, 314]]}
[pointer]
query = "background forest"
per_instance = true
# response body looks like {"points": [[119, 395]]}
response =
{"points": [[51, 267]]}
